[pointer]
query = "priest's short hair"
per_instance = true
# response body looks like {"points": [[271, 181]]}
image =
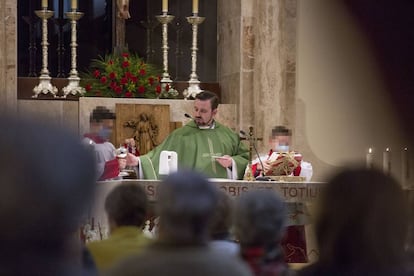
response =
{"points": [[208, 95]]}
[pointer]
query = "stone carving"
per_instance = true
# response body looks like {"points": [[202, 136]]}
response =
{"points": [[145, 132]]}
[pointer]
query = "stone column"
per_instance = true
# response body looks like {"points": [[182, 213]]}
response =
{"points": [[257, 62], [8, 56]]}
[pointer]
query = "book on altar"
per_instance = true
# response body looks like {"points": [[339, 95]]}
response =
{"points": [[283, 163]]}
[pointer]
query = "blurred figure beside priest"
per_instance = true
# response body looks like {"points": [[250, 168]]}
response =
{"points": [[281, 159], [108, 166]]}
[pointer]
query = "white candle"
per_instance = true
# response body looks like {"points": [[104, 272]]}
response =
{"points": [[195, 6], [386, 161], [44, 4], [404, 167], [165, 6], [370, 158], [74, 5]]}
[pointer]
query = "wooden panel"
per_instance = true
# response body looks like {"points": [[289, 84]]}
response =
{"points": [[175, 125], [142, 121]]}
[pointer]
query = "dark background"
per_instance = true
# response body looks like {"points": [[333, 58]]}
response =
{"points": [[389, 25], [95, 37]]}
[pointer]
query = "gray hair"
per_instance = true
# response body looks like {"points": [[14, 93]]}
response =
{"points": [[186, 202], [260, 218]]}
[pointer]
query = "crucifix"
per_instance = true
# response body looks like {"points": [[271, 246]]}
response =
{"points": [[122, 8], [252, 146]]}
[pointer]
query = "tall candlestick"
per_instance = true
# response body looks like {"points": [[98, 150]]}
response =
{"points": [[386, 161], [193, 83], [73, 80], [195, 6], [44, 4], [45, 86], [74, 5], [370, 158], [165, 6], [404, 167]]}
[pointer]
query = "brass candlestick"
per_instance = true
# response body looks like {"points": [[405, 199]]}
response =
{"points": [[45, 86], [193, 84], [165, 19], [73, 86]]}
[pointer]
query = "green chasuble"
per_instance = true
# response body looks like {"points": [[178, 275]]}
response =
{"points": [[196, 149]]}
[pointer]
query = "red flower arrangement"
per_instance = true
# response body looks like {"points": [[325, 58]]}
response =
{"points": [[122, 76]]}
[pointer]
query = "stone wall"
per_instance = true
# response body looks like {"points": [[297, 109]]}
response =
{"points": [[257, 62], [8, 55]]}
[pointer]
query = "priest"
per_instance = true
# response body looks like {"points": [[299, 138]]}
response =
{"points": [[203, 144]]}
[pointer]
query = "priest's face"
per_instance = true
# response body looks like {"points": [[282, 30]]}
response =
{"points": [[203, 114]]}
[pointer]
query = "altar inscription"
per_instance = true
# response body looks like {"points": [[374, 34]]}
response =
{"points": [[289, 191]]}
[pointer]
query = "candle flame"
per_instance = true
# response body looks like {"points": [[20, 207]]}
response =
{"points": [[370, 150]]}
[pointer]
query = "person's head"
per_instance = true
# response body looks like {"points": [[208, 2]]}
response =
{"points": [[260, 218], [47, 182], [280, 139], [185, 203], [126, 205], [102, 122], [222, 219], [205, 108], [362, 219]]}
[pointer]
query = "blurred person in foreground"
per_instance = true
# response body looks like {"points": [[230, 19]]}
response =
{"points": [[47, 180], [101, 123], [259, 224], [203, 144], [185, 204], [221, 224], [126, 208], [361, 226]]}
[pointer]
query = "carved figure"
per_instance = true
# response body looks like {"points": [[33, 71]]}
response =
{"points": [[145, 132], [123, 9]]}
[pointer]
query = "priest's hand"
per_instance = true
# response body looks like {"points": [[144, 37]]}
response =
{"points": [[132, 160], [226, 161]]}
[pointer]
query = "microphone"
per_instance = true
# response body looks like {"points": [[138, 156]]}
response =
{"points": [[188, 116], [263, 177]]}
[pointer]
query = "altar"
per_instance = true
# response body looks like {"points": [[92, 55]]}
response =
{"points": [[290, 191], [302, 193]]}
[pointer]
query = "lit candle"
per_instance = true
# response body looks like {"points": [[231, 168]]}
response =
{"points": [[165, 6], [44, 4], [369, 158], [386, 161], [195, 6], [404, 167], [74, 5]]}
